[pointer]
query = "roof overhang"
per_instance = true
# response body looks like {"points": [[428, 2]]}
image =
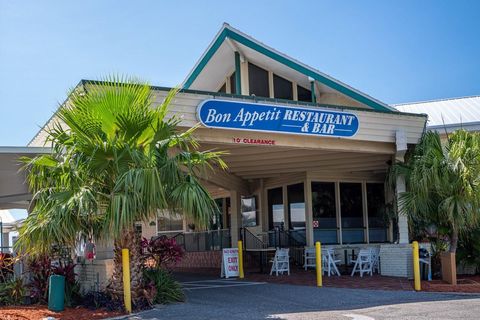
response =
{"points": [[14, 193]]}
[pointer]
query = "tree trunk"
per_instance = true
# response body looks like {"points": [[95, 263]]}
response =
{"points": [[453, 241], [128, 240]]}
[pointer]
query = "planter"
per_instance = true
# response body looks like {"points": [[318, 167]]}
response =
{"points": [[449, 268]]}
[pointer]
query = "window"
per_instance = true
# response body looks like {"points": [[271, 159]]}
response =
{"points": [[258, 81], [296, 206], [296, 212], [169, 222], [377, 213], [282, 88], [233, 84], [249, 212], [304, 94], [223, 88], [351, 209], [324, 212], [276, 214], [216, 222]]}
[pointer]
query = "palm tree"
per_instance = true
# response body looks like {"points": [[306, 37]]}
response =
{"points": [[443, 182], [117, 159]]}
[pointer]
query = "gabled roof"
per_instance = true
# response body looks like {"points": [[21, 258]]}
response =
{"points": [[228, 32], [451, 113]]}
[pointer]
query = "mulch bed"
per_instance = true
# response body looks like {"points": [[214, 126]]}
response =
{"points": [[465, 284], [37, 312]]}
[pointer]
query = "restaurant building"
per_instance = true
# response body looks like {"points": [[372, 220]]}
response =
{"points": [[307, 156]]}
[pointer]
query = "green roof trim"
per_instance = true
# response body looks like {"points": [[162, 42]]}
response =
{"points": [[229, 33]]}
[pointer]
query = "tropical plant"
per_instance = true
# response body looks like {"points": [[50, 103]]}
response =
{"points": [[7, 262], [162, 252], [164, 289], [117, 159], [40, 269], [12, 292], [443, 183]]}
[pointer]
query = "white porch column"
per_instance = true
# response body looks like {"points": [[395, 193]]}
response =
{"points": [[402, 219], [401, 145], [235, 204], [309, 212]]}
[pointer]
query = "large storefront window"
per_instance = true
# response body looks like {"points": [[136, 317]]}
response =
{"points": [[296, 206], [276, 214], [169, 222], [324, 212], [351, 209], [377, 216]]}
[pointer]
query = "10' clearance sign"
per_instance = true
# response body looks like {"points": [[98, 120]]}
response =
{"points": [[229, 262], [236, 115], [265, 142]]}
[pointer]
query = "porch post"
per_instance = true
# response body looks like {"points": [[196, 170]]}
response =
{"points": [[309, 212], [402, 219], [401, 146], [235, 204]]}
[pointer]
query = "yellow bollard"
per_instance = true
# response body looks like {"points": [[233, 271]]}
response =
{"points": [[127, 297], [318, 263], [416, 266], [240, 260]]}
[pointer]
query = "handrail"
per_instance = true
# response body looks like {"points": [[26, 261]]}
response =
{"points": [[284, 239], [209, 240], [251, 241]]}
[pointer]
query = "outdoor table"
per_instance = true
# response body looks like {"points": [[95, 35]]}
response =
{"points": [[261, 253]]}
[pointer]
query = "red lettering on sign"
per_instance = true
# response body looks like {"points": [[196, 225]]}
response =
{"points": [[268, 142]]}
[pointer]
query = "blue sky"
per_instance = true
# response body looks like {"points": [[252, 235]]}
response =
{"points": [[395, 51]]}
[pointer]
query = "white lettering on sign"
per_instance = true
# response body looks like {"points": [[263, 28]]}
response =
{"points": [[235, 115], [229, 263]]}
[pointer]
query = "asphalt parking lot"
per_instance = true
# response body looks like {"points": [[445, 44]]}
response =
{"points": [[210, 298]]}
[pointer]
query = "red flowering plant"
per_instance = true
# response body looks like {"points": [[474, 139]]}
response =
{"points": [[161, 252], [6, 266]]}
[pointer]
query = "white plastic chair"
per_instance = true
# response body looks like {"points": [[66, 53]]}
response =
{"points": [[309, 258], [329, 262], [375, 259], [281, 262], [364, 263]]}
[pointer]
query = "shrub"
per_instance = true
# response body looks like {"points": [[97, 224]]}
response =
{"points": [[162, 252], [162, 287], [12, 292], [40, 269], [99, 299], [6, 266]]}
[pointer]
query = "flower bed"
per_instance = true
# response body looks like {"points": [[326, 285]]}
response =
{"points": [[39, 312]]}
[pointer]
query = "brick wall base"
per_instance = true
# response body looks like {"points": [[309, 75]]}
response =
{"points": [[202, 259]]}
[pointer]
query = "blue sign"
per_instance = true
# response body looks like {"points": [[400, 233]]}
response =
{"points": [[271, 118]]}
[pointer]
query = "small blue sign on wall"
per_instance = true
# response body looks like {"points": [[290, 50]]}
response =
{"points": [[236, 115]]}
